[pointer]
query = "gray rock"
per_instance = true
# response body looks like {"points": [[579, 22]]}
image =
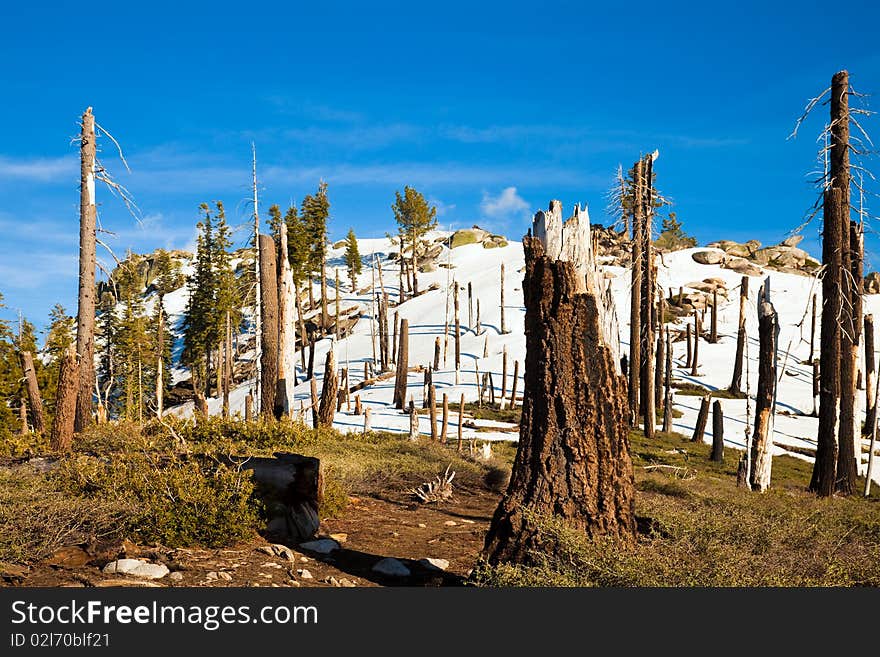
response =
{"points": [[391, 567], [123, 566], [305, 574], [283, 551], [137, 568], [742, 266], [150, 571], [434, 564], [708, 257], [872, 283], [321, 546], [176, 576]]}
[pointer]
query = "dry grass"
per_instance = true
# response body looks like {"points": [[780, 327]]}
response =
{"points": [[704, 531]]}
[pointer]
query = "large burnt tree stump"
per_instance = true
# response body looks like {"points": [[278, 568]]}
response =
{"points": [[573, 460]]}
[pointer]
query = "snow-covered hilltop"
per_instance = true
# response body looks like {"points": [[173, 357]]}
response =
{"points": [[478, 264]]}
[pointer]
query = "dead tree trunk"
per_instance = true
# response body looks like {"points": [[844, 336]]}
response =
{"points": [[336, 306], [313, 390], [503, 376], [667, 386], [689, 358], [160, 362], [432, 410], [635, 310], [573, 459], [436, 353], [825, 464], [870, 374], [22, 416], [503, 324], [65, 403], [815, 387], [413, 421], [695, 361], [329, 390], [457, 328], [460, 421], [227, 365], [702, 419], [717, 433], [812, 331], [85, 314], [762, 438], [470, 306], [736, 381], [514, 384], [713, 322], [849, 453], [394, 341], [660, 379], [269, 325], [649, 415], [402, 366], [249, 408], [325, 318], [444, 426], [35, 400]]}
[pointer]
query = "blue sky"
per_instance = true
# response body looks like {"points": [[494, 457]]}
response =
{"points": [[490, 109]]}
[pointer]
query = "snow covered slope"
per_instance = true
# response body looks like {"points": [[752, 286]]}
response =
{"points": [[428, 314]]}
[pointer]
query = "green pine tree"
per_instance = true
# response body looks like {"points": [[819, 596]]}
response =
{"points": [[415, 217], [352, 258], [315, 215]]}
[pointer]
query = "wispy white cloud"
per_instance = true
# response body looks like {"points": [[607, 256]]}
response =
{"points": [[442, 208], [506, 205], [41, 169]]}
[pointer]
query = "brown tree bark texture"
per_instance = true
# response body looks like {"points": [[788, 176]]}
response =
{"points": [[65, 403], [85, 314], [269, 325], [573, 458]]}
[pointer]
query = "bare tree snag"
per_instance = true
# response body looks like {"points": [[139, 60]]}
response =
{"points": [[457, 327], [303, 336], [413, 421], [503, 376], [432, 409], [325, 317], [310, 373], [336, 305], [22, 416], [269, 325], [713, 322], [437, 353], [160, 362], [249, 408], [765, 400], [228, 363], [649, 414], [35, 400], [667, 386], [85, 314], [402, 366], [635, 291], [660, 378], [689, 358], [470, 306], [736, 381], [573, 459], [444, 426], [870, 375], [695, 360], [367, 414], [503, 324], [284, 395], [460, 421], [479, 329], [717, 433], [815, 387], [65, 402], [514, 384], [849, 453], [358, 407], [702, 419], [313, 389], [825, 463], [812, 332], [395, 341]]}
